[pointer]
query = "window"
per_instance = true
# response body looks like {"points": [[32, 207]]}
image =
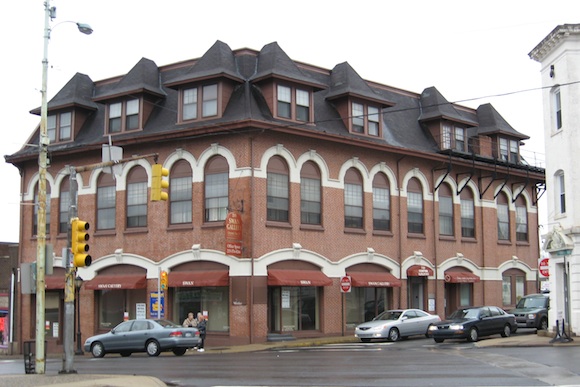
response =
{"points": [[561, 193], [213, 299], [293, 103], [310, 194], [381, 203], [453, 137], [445, 210], [557, 109], [64, 206], [124, 116], [58, 126], [137, 198], [189, 104], [513, 286], [414, 207], [278, 190], [293, 308], [216, 189], [209, 101], [180, 193], [47, 212], [467, 214], [353, 199], [503, 218], [365, 119], [106, 202], [508, 150], [191, 109], [521, 220]]}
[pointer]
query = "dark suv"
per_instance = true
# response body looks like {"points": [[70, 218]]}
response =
{"points": [[532, 311]]}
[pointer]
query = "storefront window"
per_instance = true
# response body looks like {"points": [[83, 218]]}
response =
{"points": [[114, 303], [363, 304], [213, 300], [294, 308], [51, 314]]}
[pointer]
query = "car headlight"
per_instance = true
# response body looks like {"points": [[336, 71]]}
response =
{"points": [[456, 326], [531, 316], [433, 328]]}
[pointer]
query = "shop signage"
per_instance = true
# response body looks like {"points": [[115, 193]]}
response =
{"points": [[234, 234], [345, 284], [156, 305], [544, 267]]}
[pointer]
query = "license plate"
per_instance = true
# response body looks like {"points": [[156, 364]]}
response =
{"points": [[187, 334]]}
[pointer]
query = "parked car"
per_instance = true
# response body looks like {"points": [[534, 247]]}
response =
{"points": [[532, 311], [396, 324], [471, 323], [144, 335]]}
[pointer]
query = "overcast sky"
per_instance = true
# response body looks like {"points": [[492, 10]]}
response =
{"points": [[471, 51]]}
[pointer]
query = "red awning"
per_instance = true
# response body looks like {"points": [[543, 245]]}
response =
{"points": [[461, 277], [373, 279], [54, 282], [419, 271], [178, 279], [297, 278], [112, 282]]}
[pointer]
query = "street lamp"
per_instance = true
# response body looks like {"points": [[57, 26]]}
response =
{"points": [[78, 285], [43, 141]]}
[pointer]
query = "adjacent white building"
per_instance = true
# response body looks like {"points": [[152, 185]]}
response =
{"points": [[559, 56]]}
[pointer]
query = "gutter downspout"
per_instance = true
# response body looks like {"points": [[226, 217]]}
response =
{"points": [[435, 236], [399, 252], [252, 223]]}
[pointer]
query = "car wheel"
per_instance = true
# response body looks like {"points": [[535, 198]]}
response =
{"points": [[439, 340], [427, 334], [179, 351], [125, 354], [394, 334], [473, 335], [153, 348], [507, 331], [365, 340], [98, 350], [544, 324]]}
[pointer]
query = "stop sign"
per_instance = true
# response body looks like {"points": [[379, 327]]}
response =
{"points": [[345, 284], [544, 267]]}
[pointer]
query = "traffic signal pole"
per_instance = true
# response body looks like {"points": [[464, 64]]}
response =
{"points": [[70, 269]]}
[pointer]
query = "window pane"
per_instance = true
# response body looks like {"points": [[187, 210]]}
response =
{"points": [[467, 219], [310, 208], [353, 206], [209, 106], [381, 209], [180, 191], [446, 137], [358, 120], [51, 128], [216, 197], [445, 215], [65, 126], [373, 120], [190, 104], [137, 204], [64, 207], [521, 223], [302, 105], [284, 101], [415, 212], [132, 107], [503, 226], [507, 290], [277, 203]]}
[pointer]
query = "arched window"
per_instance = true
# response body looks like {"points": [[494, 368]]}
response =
{"points": [[47, 212], [381, 203], [63, 206], [106, 202], [278, 190], [467, 214], [310, 194], [521, 220], [503, 218], [414, 207], [353, 199], [180, 193], [216, 189], [445, 210], [137, 198]]}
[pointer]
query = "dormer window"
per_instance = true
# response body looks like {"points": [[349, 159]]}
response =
{"points": [[508, 150], [124, 116], [453, 137], [191, 109], [59, 127], [365, 119], [293, 103]]}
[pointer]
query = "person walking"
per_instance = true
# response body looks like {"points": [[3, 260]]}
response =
{"points": [[201, 327]]}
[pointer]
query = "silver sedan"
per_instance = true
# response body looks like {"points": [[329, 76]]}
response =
{"points": [[396, 324], [144, 335]]}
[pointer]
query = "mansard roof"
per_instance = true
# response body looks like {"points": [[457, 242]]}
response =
{"points": [[345, 81], [77, 92], [143, 78], [435, 106], [491, 122]]}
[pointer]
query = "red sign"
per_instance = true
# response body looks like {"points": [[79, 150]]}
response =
{"points": [[234, 234], [345, 284], [544, 267]]}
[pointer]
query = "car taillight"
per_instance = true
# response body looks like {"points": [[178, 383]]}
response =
{"points": [[176, 334]]}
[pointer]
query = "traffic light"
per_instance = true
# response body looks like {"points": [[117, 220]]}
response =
{"points": [[79, 246], [158, 183], [163, 280]]}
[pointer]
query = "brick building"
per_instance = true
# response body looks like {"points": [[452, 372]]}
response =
{"points": [[284, 178]]}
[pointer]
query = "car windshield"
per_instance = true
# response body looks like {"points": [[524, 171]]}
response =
{"points": [[389, 315], [167, 324], [465, 313], [532, 302]]}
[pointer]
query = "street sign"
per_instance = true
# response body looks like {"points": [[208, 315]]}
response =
{"points": [[345, 284], [544, 267]]}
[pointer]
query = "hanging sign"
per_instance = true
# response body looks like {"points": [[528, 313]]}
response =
{"points": [[234, 234]]}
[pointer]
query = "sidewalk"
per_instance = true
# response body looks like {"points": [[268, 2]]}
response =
{"points": [[523, 340]]}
